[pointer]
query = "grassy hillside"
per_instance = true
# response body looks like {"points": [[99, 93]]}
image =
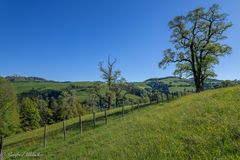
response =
{"points": [[180, 84], [25, 84], [198, 126], [82, 90], [28, 85]]}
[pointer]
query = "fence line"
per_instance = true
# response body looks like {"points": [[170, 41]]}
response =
{"points": [[105, 115], [45, 135], [93, 122], [64, 130], [80, 123]]}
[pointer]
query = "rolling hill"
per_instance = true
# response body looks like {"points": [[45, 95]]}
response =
{"points": [[82, 89], [197, 126]]}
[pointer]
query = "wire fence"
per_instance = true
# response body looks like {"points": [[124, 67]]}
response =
{"points": [[81, 124]]}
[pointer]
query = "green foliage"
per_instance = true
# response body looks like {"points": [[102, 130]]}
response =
{"points": [[29, 114], [197, 39], [68, 106], [227, 83], [9, 118], [45, 112], [53, 106]]}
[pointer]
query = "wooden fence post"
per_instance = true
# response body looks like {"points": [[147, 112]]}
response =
{"points": [[1, 147], [132, 107], [45, 135], [105, 113], [94, 119], [64, 130], [162, 97], [80, 123], [157, 98], [122, 110]]}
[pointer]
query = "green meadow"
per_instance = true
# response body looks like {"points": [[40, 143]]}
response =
{"points": [[198, 126]]}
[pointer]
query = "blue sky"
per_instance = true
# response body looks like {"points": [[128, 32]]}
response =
{"points": [[66, 39]]}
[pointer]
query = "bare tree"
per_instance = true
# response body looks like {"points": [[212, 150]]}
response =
{"points": [[110, 76]]}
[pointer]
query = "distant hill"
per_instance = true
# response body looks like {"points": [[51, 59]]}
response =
{"points": [[178, 84], [82, 89], [26, 79]]}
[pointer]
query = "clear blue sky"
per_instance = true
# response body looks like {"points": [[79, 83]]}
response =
{"points": [[65, 39]]}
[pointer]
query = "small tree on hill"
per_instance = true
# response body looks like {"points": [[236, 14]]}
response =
{"points": [[110, 76], [197, 41]]}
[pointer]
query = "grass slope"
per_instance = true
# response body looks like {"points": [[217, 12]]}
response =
{"points": [[25, 84], [198, 126], [28, 85], [174, 83]]}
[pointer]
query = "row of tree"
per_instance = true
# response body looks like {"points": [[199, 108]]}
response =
{"points": [[34, 109]]}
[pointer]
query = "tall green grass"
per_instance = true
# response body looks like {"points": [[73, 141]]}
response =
{"points": [[198, 126]]}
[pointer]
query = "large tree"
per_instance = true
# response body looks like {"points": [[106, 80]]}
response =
{"points": [[198, 44]]}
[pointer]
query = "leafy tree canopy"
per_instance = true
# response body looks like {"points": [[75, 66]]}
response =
{"points": [[198, 43]]}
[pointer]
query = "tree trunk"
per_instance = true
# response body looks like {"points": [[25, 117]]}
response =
{"points": [[199, 85], [198, 80], [116, 102], [80, 123], [100, 103], [94, 119], [105, 115]]}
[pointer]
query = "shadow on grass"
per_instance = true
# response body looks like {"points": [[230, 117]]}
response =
{"points": [[74, 129]]}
